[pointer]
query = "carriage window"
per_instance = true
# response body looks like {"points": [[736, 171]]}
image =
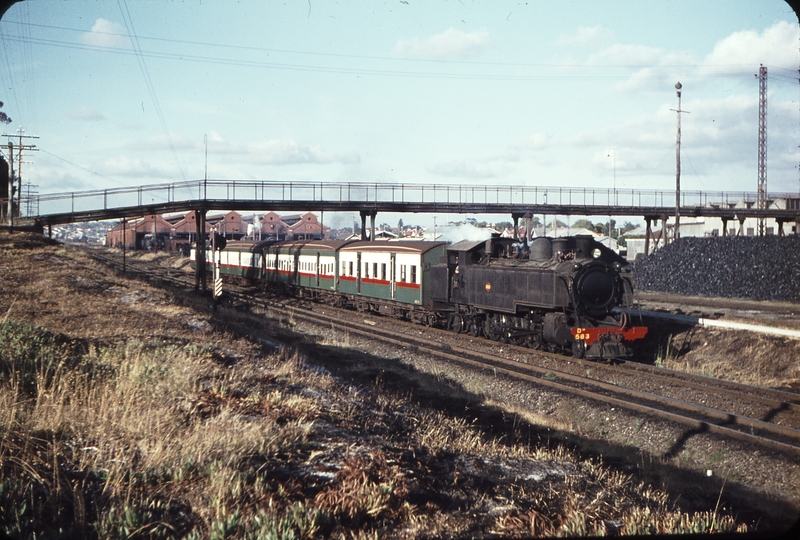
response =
{"points": [[375, 270], [413, 273], [403, 273], [366, 270], [383, 271], [351, 269]]}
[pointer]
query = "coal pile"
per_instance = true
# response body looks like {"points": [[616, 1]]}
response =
{"points": [[761, 268]]}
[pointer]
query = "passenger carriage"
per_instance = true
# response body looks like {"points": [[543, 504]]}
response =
{"points": [[379, 275], [239, 258], [307, 263]]}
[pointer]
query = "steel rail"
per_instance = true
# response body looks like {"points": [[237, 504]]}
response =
{"points": [[496, 361], [781, 399], [544, 377], [516, 370]]}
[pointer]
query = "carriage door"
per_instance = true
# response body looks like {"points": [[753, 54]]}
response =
{"points": [[392, 273], [358, 272], [317, 269]]}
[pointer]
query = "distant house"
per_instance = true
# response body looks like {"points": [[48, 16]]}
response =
{"points": [[184, 232], [292, 227], [149, 232], [230, 225], [305, 227], [273, 227]]}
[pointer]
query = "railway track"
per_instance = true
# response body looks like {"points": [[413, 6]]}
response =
{"points": [[762, 417]]}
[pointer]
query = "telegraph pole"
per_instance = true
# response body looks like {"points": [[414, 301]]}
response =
{"points": [[20, 147], [10, 185]]}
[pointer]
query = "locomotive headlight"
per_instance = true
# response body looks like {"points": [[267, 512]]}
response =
{"points": [[596, 253]]}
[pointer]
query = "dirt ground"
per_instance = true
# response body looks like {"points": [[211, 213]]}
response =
{"points": [[381, 464]]}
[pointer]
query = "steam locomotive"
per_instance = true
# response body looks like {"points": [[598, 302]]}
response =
{"points": [[557, 294]]}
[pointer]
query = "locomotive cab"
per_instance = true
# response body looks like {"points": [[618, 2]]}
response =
{"points": [[557, 293]]}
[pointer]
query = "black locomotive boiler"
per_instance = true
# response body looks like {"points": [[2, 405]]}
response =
{"points": [[554, 293]]}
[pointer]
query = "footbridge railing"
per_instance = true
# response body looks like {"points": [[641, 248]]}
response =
{"points": [[355, 196]]}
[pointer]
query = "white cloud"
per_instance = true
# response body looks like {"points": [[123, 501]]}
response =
{"points": [[265, 152], [105, 33], [586, 36], [55, 180], [741, 52], [161, 142], [646, 67], [122, 165], [745, 50], [85, 114], [451, 43], [464, 169], [289, 152], [537, 141]]}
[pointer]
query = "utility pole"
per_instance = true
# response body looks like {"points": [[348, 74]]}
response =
{"points": [[677, 233], [762, 145], [10, 185], [20, 147]]}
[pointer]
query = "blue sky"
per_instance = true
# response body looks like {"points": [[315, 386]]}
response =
{"points": [[457, 92]]}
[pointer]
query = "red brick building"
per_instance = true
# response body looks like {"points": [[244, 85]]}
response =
{"points": [[149, 232], [293, 227]]}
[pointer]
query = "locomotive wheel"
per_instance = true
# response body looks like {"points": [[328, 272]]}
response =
{"points": [[493, 328], [578, 348], [536, 340], [457, 324]]}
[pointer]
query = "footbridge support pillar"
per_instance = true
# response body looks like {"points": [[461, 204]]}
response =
{"points": [[200, 251], [372, 215]]}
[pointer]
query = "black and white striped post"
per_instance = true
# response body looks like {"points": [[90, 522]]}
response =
{"points": [[218, 243]]}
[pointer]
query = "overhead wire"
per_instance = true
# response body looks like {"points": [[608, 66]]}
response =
{"points": [[366, 57], [8, 84], [80, 166], [126, 16], [27, 69], [366, 71], [240, 62], [777, 73]]}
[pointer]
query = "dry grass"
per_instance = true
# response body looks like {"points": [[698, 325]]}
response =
{"points": [[154, 428], [747, 358]]}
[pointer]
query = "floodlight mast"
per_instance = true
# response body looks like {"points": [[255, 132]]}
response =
{"points": [[762, 145], [677, 233]]}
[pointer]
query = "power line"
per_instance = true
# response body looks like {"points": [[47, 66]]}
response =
{"points": [[126, 16], [80, 166], [372, 57], [383, 72], [8, 64]]}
